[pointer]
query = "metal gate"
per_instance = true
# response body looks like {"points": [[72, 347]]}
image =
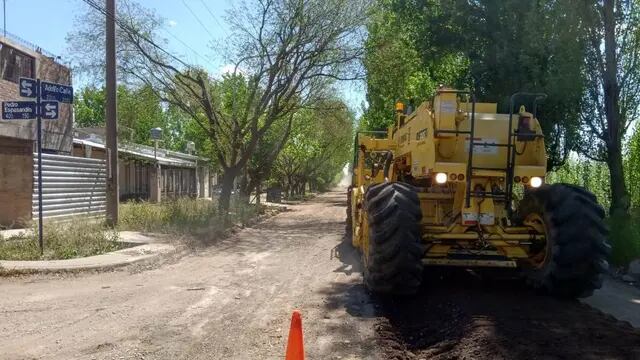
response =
{"points": [[71, 186]]}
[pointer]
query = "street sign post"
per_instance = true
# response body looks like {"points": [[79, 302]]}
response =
{"points": [[56, 92], [19, 110], [49, 110], [28, 87], [46, 106]]}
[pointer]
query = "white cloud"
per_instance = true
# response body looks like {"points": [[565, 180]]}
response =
{"points": [[173, 23], [228, 69]]}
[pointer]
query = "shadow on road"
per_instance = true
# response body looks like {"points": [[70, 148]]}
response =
{"points": [[458, 314], [462, 314], [348, 255]]}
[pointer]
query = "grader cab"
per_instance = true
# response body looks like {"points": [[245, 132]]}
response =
{"points": [[454, 183]]}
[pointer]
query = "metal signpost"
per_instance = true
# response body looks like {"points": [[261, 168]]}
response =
{"points": [[47, 96]]}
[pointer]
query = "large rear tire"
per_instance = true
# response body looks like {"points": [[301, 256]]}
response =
{"points": [[393, 257], [573, 259]]}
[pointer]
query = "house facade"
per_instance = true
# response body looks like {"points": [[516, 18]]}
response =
{"points": [[19, 59]]}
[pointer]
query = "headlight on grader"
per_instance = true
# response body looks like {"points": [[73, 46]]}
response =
{"points": [[536, 181], [441, 178]]}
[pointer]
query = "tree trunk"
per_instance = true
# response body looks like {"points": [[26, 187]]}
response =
{"points": [[258, 191], [614, 134], [620, 201], [245, 187], [228, 178]]}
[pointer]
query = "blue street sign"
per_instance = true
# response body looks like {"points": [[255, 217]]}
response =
{"points": [[18, 110], [49, 110], [28, 88], [56, 92]]}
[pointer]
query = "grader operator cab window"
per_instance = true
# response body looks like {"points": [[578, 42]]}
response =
{"points": [[525, 133], [525, 129]]}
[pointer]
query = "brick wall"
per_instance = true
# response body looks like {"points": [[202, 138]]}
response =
{"points": [[16, 181], [81, 151]]}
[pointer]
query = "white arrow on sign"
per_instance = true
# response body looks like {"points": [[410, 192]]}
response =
{"points": [[50, 107], [50, 113], [27, 86]]}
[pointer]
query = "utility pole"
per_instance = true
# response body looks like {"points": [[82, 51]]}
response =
{"points": [[111, 117], [4, 17]]}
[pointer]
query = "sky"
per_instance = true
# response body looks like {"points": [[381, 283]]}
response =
{"points": [[47, 22]]}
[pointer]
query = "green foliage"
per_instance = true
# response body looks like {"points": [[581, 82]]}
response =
{"points": [[496, 47], [89, 107], [591, 175], [318, 148], [625, 230], [174, 216], [624, 238], [632, 168], [139, 110], [185, 216], [397, 68], [62, 241]]}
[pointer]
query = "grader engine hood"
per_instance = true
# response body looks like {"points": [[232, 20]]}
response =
{"points": [[437, 138]]}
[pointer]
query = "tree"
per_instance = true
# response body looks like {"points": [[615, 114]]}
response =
{"points": [[495, 47], [612, 100], [259, 167], [139, 110], [88, 107], [86, 42], [287, 52], [317, 150], [396, 64]]}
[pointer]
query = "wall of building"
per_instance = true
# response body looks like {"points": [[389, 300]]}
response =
{"points": [[58, 134], [139, 179], [16, 181]]}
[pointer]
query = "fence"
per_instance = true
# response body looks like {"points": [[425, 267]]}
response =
{"points": [[179, 182], [135, 180], [71, 186]]}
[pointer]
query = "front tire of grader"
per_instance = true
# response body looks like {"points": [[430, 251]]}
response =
{"points": [[573, 259], [393, 254]]}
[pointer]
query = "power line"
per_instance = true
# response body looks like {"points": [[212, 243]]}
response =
{"points": [[185, 44], [131, 31], [213, 16], [198, 20]]}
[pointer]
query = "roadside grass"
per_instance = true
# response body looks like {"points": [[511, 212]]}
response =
{"points": [[187, 216], [198, 219], [67, 240], [625, 238]]}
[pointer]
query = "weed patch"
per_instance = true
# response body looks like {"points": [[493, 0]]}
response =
{"points": [[625, 239], [61, 241], [183, 216]]}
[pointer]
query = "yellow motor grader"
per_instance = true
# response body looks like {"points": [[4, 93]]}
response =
{"points": [[454, 183]]}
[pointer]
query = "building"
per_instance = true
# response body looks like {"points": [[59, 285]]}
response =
{"points": [[19, 58], [150, 174]]}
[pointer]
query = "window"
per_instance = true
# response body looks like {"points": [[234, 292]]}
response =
{"points": [[15, 64]]}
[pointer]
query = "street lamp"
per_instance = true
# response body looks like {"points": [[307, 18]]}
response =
{"points": [[156, 135], [191, 147]]}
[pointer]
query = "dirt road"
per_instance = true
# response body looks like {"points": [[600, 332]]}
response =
{"points": [[233, 301]]}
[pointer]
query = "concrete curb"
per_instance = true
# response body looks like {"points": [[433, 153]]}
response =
{"points": [[147, 251]]}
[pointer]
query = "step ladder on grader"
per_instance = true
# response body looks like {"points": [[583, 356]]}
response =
{"points": [[454, 183]]}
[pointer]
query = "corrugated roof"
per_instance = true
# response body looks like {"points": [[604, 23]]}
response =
{"points": [[163, 156]]}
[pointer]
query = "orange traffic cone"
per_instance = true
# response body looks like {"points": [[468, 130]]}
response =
{"points": [[295, 345]]}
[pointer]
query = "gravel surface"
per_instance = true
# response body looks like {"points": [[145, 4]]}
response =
{"points": [[463, 315], [234, 301], [231, 301]]}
